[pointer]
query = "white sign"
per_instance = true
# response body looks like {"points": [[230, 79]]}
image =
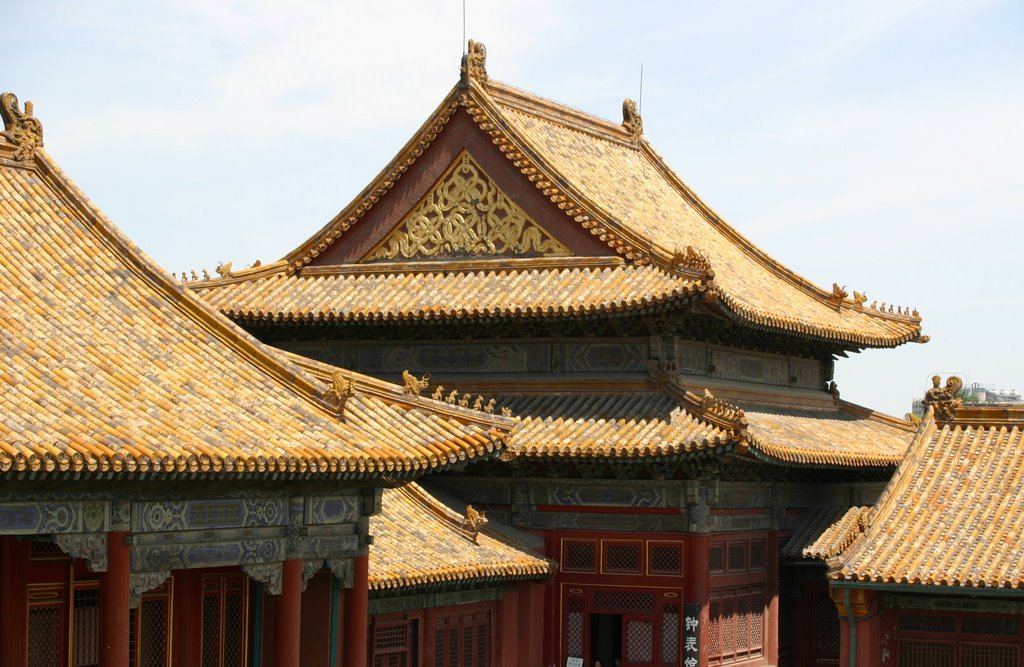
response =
{"points": [[574, 662]]}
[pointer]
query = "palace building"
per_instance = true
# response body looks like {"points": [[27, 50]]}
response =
{"points": [[678, 444], [526, 401]]}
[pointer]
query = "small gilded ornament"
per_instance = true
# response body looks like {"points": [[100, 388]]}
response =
{"points": [[691, 259], [464, 401], [478, 403], [506, 411], [838, 294], [438, 393], [224, 270], [489, 408], [474, 63], [474, 522], [944, 399], [450, 398], [859, 298], [631, 119], [21, 129], [342, 388], [833, 389], [413, 386]]}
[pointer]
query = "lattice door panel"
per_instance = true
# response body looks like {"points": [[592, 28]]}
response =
{"points": [[574, 635], [638, 641], [85, 634], [926, 654], [225, 622], [44, 636]]}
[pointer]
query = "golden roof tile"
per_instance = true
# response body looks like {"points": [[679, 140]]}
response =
{"points": [[825, 532], [680, 418], [483, 289], [952, 515], [110, 367], [611, 183], [418, 541]]}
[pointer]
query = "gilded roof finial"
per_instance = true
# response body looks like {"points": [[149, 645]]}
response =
{"points": [[474, 521], [833, 389], [838, 294], [859, 298], [224, 270], [21, 128], [414, 386], [342, 388], [474, 63], [631, 119]]}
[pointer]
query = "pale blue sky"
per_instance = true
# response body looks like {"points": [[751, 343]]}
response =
{"points": [[875, 144]]}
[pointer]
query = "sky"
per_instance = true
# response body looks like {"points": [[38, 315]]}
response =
{"points": [[876, 144]]}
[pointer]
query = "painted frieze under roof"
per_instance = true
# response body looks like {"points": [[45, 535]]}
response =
{"points": [[499, 173]]}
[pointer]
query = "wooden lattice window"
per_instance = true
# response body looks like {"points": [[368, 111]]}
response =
{"points": [[45, 640], [639, 640], [670, 634], [393, 643], [579, 556], [622, 557], [926, 654], [735, 624], [150, 628], [225, 620], [574, 627], [622, 601], [85, 625], [665, 558], [826, 627], [716, 558], [45, 551], [958, 640], [463, 640]]}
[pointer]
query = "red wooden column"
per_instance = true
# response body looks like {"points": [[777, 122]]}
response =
{"points": [[288, 626], [698, 587], [357, 614], [860, 630], [508, 629], [114, 601]]}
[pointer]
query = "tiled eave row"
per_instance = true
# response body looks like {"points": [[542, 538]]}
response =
{"points": [[418, 543], [491, 290]]}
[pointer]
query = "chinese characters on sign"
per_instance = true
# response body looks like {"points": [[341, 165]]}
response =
{"points": [[691, 635]]}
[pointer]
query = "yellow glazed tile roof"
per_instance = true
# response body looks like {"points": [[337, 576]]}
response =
{"points": [[109, 367], [952, 515], [825, 533], [503, 288], [614, 186], [634, 421], [418, 541]]}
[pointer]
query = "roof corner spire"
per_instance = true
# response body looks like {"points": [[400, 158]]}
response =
{"points": [[631, 119], [21, 128], [474, 63]]}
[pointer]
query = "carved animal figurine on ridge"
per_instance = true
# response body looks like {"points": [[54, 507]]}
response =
{"points": [[414, 386]]}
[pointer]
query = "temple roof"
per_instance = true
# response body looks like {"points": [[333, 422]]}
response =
{"points": [[418, 541], [635, 419], [606, 182], [392, 291], [111, 367], [825, 532], [953, 513]]}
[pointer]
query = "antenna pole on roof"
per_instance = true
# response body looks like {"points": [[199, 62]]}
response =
{"points": [[640, 102], [463, 27]]}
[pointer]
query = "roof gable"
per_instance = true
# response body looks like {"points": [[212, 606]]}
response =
{"points": [[466, 214]]}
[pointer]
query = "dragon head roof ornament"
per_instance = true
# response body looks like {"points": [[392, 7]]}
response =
{"points": [[21, 129], [944, 399], [631, 119]]}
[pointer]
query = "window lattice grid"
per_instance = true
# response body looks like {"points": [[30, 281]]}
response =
{"points": [[926, 654], [579, 556], [574, 628], [757, 555], [716, 558], [43, 636], [989, 655], [39, 550], [211, 631], [439, 647], [756, 621], [665, 559], [453, 647], [737, 556], [152, 634], [639, 640], [623, 600], [927, 623], [622, 558], [467, 645], [482, 644], [233, 630], [85, 634], [990, 625], [714, 633], [670, 633], [390, 635], [742, 624], [826, 627]]}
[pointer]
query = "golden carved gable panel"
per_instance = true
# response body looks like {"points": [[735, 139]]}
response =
{"points": [[467, 214]]}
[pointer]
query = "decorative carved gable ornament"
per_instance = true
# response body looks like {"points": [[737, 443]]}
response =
{"points": [[474, 63], [21, 129], [631, 119], [466, 214], [944, 399]]}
